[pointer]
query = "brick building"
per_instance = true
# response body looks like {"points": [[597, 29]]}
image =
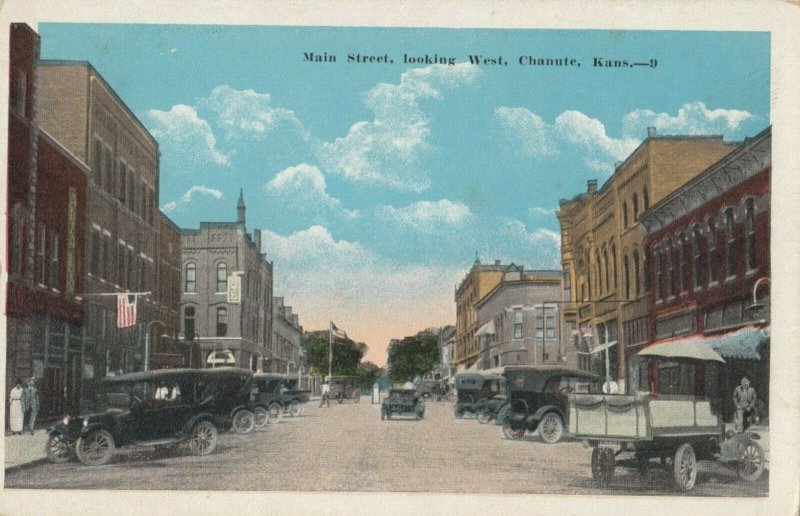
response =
{"points": [[287, 334], [45, 247], [217, 331], [709, 246], [602, 242]]}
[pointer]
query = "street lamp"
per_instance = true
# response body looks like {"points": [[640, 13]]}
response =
{"points": [[756, 305], [147, 341], [605, 347]]}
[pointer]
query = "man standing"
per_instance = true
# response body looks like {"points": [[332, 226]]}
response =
{"points": [[30, 401], [326, 389], [744, 397]]}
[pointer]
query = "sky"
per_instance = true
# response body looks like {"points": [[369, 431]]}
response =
{"points": [[377, 184]]}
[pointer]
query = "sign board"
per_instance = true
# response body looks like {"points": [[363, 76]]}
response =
{"points": [[235, 289], [224, 358]]}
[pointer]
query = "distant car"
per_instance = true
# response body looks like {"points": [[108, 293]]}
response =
{"points": [[156, 408], [432, 389], [403, 402], [276, 394], [471, 388], [344, 388]]}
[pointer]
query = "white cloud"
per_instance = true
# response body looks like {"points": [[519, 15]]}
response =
{"points": [[538, 211], [692, 118], [303, 187], [189, 196], [590, 134], [543, 243], [387, 150], [427, 215], [531, 135], [246, 112], [182, 130]]}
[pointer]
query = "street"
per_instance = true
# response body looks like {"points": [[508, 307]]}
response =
{"points": [[348, 448]]}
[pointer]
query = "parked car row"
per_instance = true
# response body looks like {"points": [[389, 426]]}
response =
{"points": [[164, 409]]}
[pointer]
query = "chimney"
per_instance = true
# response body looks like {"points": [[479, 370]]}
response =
{"points": [[257, 238], [497, 262], [591, 186], [651, 132]]}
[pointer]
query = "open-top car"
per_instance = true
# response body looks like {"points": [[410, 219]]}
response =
{"points": [[473, 389], [276, 394], [156, 408], [538, 399], [403, 402], [675, 416], [344, 388]]}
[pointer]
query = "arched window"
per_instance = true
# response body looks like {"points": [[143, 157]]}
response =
{"points": [[605, 263], [635, 208], [601, 282], [698, 265], [188, 322], [713, 259], [614, 263], [191, 278], [645, 199], [683, 261], [626, 276], [750, 227], [624, 215], [670, 269], [222, 321], [659, 275], [222, 278], [730, 247], [636, 274]]}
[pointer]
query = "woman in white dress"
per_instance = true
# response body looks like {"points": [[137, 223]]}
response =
{"points": [[15, 409]]}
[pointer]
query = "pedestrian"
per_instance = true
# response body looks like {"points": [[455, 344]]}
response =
{"points": [[30, 402], [744, 397], [15, 409], [326, 389]]}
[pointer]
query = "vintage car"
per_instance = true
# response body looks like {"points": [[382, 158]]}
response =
{"points": [[403, 402], [276, 394], [538, 399], [345, 388], [673, 416], [430, 388], [472, 388], [156, 408]]}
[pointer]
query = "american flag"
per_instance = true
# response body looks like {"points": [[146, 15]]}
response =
{"points": [[337, 333], [126, 310]]}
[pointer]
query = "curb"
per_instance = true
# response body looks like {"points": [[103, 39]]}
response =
{"points": [[24, 465]]}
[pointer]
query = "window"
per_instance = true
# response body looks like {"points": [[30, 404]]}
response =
{"points": [[54, 261], [626, 276], [129, 269], [698, 266], [122, 258], [131, 198], [97, 161], [40, 255], [222, 321], [671, 269], [550, 327], [645, 199], [191, 278], [637, 282], [635, 208], [222, 278], [624, 215], [657, 265], [750, 228], [517, 323], [15, 242], [713, 262], [18, 91], [730, 249], [605, 263], [600, 282], [538, 333], [108, 170], [188, 322], [567, 284], [614, 263], [683, 260]]}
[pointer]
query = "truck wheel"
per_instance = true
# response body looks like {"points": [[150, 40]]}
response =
{"points": [[294, 408], [203, 439], [243, 422], [510, 432], [58, 449], [551, 428], [96, 448], [603, 465], [262, 417], [751, 462], [484, 417], [685, 467]]}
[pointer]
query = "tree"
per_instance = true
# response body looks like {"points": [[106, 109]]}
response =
{"points": [[346, 354], [413, 356], [368, 373]]}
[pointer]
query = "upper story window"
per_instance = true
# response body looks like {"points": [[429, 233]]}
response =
{"points": [[637, 282], [659, 276], [222, 321], [626, 276], [222, 278], [730, 247], [614, 263], [188, 322], [635, 208], [191, 278], [624, 215], [750, 229], [54, 261], [41, 265], [711, 244], [517, 323], [698, 265], [683, 262], [645, 199], [18, 94]]}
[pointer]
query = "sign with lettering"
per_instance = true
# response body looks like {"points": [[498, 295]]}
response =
{"points": [[234, 288]]}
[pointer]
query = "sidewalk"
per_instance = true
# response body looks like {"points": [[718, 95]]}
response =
{"points": [[25, 449]]}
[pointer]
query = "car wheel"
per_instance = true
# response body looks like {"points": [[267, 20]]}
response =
{"points": [[685, 467], [275, 411], [58, 449], [551, 428], [603, 465], [294, 409], [203, 439], [751, 462], [262, 417], [512, 433], [484, 417], [243, 422], [96, 448]]}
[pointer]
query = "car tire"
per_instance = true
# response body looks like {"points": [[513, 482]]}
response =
{"points": [[262, 417], [275, 411], [551, 428], [96, 448], [684, 467], [294, 409], [243, 422], [203, 438], [751, 462], [483, 417], [512, 433], [58, 449]]}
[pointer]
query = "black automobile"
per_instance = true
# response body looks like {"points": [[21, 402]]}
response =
{"points": [[432, 389], [276, 394], [345, 388], [156, 408], [538, 399], [471, 388], [487, 409], [403, 402]]}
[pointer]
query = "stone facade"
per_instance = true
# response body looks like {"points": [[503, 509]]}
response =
{"points": [[602, 242], [287, 334], [221, 332]]}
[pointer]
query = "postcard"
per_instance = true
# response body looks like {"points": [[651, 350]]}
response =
{"points": [[399, 257]]}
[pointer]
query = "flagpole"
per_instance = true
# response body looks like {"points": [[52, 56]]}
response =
{"points": [[330, 351]]}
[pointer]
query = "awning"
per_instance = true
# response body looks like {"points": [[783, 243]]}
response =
{"points": [[742, 344], [693, 347], [486, 329]]}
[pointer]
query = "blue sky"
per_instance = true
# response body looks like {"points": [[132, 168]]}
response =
{"points": [[376, 184]]}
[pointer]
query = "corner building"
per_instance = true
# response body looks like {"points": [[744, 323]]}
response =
{"points": [[602, 242], [218, 332]]}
